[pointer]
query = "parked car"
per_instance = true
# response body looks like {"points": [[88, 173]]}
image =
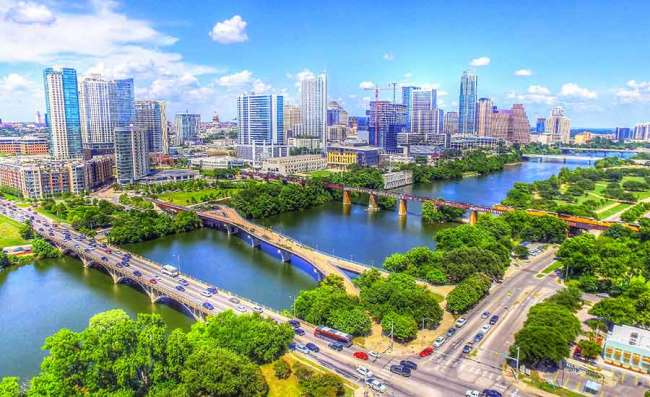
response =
{"points": [[426, 352], [460, 322], [292, 345], [439, 341], [376, 385], [335, 346], [208, 305], [364, 371], [360, 355], [206, 294], [494, 319], [313, 347], [299, 331], [212, 290], [400, 370], [409, 364]]}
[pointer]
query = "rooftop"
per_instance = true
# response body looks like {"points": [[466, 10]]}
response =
{"points": [[631, 336]]}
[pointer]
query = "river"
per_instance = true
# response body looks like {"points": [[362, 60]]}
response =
{"points": [[41, 298]]}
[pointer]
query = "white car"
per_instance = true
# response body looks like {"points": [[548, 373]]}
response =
{"points": [[439, 341], [206, 294], [376, 385], [258, 309], [472, 393], [375, 355], [365, 371], [241, 308], [460, 322], [302, 348], [485, 328]]}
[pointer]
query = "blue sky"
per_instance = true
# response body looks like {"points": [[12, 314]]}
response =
{"points": [[592, 57]]}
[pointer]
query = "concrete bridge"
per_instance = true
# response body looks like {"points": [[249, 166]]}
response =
{"points": [[560, 158]]}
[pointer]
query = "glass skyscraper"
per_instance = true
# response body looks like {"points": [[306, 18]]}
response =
{"points": [[407, 94], [261, 119], [187, 127], [467, 104], [151, 117], [386, 120], [63, 118]]}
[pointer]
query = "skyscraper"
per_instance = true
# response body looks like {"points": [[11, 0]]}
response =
{"points": [[105, 105], [261, 119], [450, 125], [420, 101], [151, 117], [386, 120], [407, 94], [511, 125], [559, 126], [336, 115], [291, 120], [540, 125], [426, 122], [483, 113], [63, 120], [187, 127], [131, 154], [313, 107], [642, 132], [467, 104]]}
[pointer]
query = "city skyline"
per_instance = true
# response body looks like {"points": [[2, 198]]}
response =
{"points": [[203, 62]]}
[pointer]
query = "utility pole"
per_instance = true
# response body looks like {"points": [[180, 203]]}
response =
{"points": [[516, 359]]}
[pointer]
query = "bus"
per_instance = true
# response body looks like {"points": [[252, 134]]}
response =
{"points": [[169, 270], [333, 335]]}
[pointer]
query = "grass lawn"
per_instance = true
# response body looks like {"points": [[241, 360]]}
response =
{"points": [[183, 198], [50, 215], [552, 267], [559, 391], [613, 210], [9, 232]]}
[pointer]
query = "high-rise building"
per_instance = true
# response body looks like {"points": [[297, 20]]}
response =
{"points": [[336, 115], [511, 125], [450, 125], [151, 117], [467, 104], [642, 132], [261, 119], [105, 105], [386, 120], [291, 120], [559, 126], [313, 107], [623, 133], [131, 154], [426, 122], [63, 120], [420, 101], [186, 126], [540, 126], [483, 116], [407, 94]]}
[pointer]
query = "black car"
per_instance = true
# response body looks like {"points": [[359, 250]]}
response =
{"points": [[408, 364], [212, 290], [313, 347], [494, 319], [491, 393], [400, 370], [292, 346], [336, 346], [294, 323], [137, 273], [468, 348], [299, 331], [451, 331], [478, 337]]}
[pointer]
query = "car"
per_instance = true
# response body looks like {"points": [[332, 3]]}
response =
{"points": [[233, 300], [294, 323], [313, 347], [451, 331], [460, 322], [104, 258], [485, 314], [364, 371], [109, 251], [119, 265], [375, 355], [40, 229], [426, 352], [491, 393], [183, 282], [157, 277], [302, 348], [125, 264], [212, 290], [299, 331], [478, 337], [468, 347], [335, 346], [180, 288], [137, 273], [408, 364], [206, 294], [472, 393], [360, 355], [400, 370], [258, 309], [241, 308], [292, 346], [376, 385], [439, 341], [208, 305], [485, 328], [153, 281], [494, 319]]}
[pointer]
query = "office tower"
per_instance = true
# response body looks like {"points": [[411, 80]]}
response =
{"points": [[467, 104], [336, 115], [519, 125], [151, 117], [623, 133], [540, 125], [420, 101], [642, 132], [104, 105], [559, 126], [63, 120], [426, 122], [261, 119], [407, 94], [313, 107], [499, 124], [187, 127], [291, 120], [451, 123], [386, 120], [483, 113], [131, 154]]}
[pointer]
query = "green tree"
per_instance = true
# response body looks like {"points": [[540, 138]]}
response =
{"points": [[281, 369], [26, 231], [620, 310], [4, 260], [9, 387], [537, 344], [570, 297], [468, 293], [403, 326], [42, 249], [589, 348], [322, 385], [353, 321]]}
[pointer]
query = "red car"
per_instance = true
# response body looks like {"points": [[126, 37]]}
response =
{"points": [[153, 281], [360, 356], [426, 352]]}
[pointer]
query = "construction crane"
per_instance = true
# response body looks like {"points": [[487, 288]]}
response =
{"points": [[376, 89]]}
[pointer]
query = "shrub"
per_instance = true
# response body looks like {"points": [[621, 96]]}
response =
{"points": [[281, 369]]}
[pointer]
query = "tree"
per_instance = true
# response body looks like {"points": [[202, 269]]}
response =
{"points": [[619, 310], [281, 369], [9, 387], [570, 297], [554, 316], [537, 344], [322, 385], [4, 260], [459, 263], [589, 348], [403, 327], [468, 293], [42, 249], [521, 252], [353, 321], [26, 231]]}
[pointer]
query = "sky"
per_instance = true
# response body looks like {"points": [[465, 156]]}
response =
{"points": [[591, 57]]}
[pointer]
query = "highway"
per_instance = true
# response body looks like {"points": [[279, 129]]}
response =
{"points": [[446, 373]]}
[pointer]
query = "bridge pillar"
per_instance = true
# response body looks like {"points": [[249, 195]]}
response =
{"points": [[254, 242], [284, 255], [372, 202], [473, 217], [402, 207], [347, 200], [231, 229], [86, 262]]}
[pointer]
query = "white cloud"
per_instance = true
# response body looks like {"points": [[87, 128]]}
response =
{"points": [[538, 90], [481, 61], [14, 83], [364, 85], [442, 93], [634, 91], [235, 79], [534, 94], [230, 31], [574, 90], [300, 76], [523, 73], [26, 12], [389, 56]]}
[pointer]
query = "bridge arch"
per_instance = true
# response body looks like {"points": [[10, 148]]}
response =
{"points": [[177, 305]]}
